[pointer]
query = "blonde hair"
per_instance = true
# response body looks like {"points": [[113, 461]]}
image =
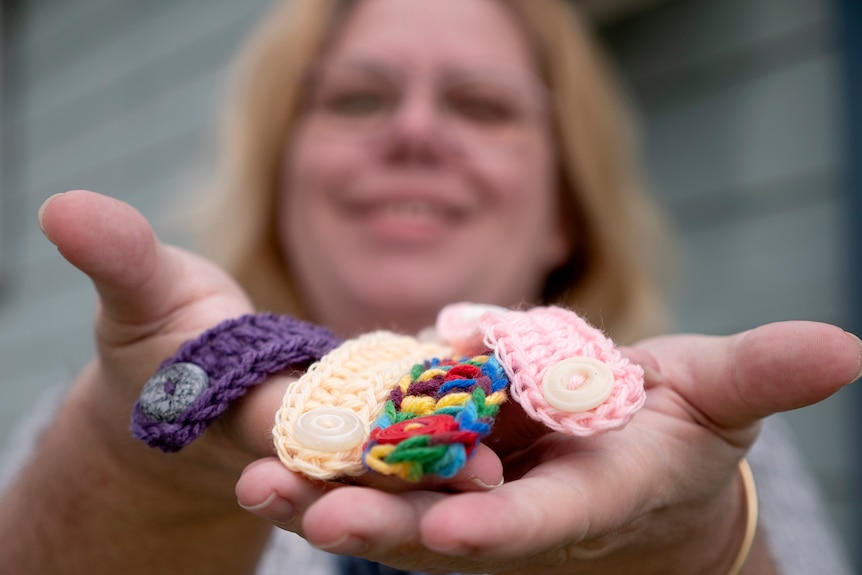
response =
{"points": [[611, 274]]}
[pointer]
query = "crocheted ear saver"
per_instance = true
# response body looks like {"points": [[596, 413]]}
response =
{"points": [[198, 383], [436, 416], [392, 403], [564, 372]]}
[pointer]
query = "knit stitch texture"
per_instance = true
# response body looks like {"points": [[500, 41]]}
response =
{"points": [[236, 354]]}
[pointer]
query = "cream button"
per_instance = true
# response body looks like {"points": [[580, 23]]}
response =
{"points": [[329, 429], [577, 384]]}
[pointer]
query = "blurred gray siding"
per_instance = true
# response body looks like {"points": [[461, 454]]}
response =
{"points": [[740, 115], [116, 96]]}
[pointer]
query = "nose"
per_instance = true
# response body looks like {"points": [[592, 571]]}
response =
{"points": [[416, 130]]}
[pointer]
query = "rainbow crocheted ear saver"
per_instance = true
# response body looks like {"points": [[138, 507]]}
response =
{"points": [[436, 416], [398, 405]]}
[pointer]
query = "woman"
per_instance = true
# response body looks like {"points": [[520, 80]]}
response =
{"points": [[389, 157], [607, 263]]}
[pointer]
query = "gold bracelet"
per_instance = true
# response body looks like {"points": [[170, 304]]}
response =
{"points": [[750, 489]]}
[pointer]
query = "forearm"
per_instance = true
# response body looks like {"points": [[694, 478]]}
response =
{"points": [[760, 561], [75, 509]]}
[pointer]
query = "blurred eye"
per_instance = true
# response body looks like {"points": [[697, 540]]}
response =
{"points": [[356, 103], [352, 93], [483, 106]]}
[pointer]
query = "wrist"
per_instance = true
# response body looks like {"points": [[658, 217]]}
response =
{"points": [[750, 510], [78, 508], [740, 521], [760, 560], [718, 536], [745, 551], [704, 537]]}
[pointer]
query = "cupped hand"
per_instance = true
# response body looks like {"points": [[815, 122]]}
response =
{"points": [[152, 298], [660, 496]]}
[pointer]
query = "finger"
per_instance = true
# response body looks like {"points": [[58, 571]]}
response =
{"points": [[576, 495], [570, 512], [337, 518], [520, 517], [272, 492], [252, 418], [734, 381], [110, 242], [369, 522], [482, 471], [269, 490], [138, 279], [650, 365]]}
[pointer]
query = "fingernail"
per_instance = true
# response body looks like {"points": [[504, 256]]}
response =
{"points": [[273, 508], [859, 343], [452, 550], [41, 213], [347, 545], [651, 375], [483, 485]]}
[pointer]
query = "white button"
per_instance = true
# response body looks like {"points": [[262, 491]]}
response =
{"points": [[577, 384], [329, 429]]}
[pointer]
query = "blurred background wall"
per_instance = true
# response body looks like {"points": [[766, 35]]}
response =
{"points": [[742, 107]]}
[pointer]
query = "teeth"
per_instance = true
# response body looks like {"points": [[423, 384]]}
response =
{"points": [[416, 209]]}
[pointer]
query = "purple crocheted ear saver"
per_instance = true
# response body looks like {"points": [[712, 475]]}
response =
{"points": [[195, 386]]}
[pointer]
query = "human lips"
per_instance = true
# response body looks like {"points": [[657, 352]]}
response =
{"points": [[416, 210], [407, 218]]}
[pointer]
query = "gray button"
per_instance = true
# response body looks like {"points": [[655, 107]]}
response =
{"points": [[172, 390]]}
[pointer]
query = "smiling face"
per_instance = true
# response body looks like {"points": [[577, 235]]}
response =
{"points": [[422, 171]]}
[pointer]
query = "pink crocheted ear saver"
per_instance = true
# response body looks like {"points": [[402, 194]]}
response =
{"points": [[564, 372]]}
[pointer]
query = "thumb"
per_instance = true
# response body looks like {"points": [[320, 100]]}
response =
{"points": [[737, 380], [114, 245], [138, 279]]}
